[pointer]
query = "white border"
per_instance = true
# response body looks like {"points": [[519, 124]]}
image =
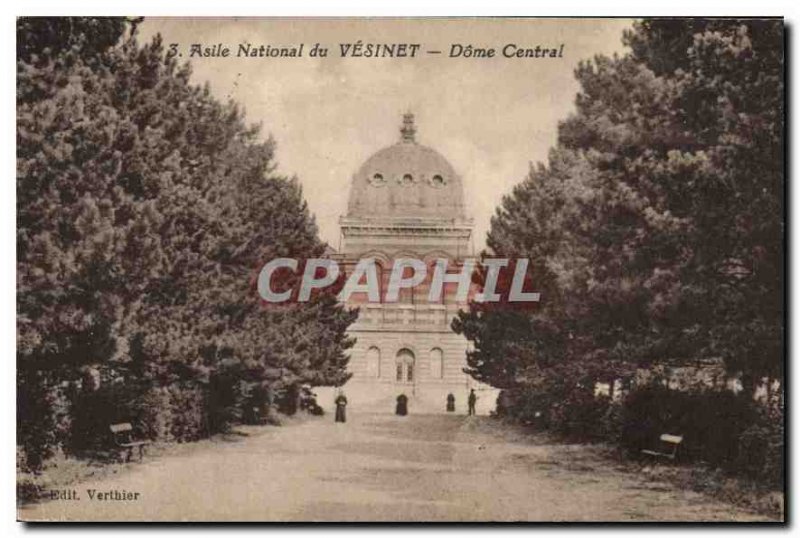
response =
{"points": [[10, 10]]}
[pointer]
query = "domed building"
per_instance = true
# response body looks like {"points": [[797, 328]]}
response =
{"points": [[407, 201]]}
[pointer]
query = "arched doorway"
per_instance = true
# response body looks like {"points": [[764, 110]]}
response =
{"points": [[404, 367]]}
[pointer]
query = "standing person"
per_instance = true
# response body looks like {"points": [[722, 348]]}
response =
{"points": [[471, 402], [341, 404], [451, 403]]}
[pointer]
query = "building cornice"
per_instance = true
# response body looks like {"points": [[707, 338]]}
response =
{"points": [[406, 222], [447, 228]]}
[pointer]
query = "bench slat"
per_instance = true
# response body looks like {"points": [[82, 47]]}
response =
{"points": [[123, 427]]}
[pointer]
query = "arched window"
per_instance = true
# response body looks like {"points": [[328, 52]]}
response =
{"points": [[373, 358], [437, 363], [404, 363]]}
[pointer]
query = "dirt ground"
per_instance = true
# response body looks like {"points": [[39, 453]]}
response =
{"points": [[385, 468]]}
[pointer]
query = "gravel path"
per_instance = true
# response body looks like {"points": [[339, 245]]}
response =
{"points": [[385, 468]]}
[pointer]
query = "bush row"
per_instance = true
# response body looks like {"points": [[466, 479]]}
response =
{"points": [[76, 419], [719, 427]]}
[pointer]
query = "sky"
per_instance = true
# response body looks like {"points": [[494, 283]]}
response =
{"points": [[490, 117]]}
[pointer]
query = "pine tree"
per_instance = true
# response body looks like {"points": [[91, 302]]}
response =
{"points": [[145, 208], [657, 225]]}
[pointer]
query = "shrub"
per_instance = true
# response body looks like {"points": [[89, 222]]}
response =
{"points": [[760, 448], [36, 421], [94, 410], [576, 412], [308, 402], [711, 421], [227, 401], [176, 412], [288, 399], [579, 415], [523, 405]]}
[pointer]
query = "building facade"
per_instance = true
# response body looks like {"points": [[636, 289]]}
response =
{"points": [[407, 201]]}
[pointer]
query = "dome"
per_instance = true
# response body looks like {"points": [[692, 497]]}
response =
{"points": [[407, 180]]}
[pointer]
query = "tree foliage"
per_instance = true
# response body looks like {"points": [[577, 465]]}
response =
{"points": [[145, 207], [656, 226]]}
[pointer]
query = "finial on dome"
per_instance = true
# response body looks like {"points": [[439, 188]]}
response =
{"points": [[408, 129]]}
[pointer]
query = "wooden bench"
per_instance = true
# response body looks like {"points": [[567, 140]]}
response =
{"points": [[123, 437], [669, 444]]}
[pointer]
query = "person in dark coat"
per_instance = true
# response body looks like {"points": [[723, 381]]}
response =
{"points": [[402, 405], [341, 404], [471, 402], [451, 403]]}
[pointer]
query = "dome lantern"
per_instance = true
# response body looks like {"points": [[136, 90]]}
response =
{"points": [[408, 130]]}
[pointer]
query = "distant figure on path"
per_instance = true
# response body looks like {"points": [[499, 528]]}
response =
{"points": [[402, 405], [451, 403], [341, 404], [471, 402]]}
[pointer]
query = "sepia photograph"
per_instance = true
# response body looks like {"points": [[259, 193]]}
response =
{"points": [[401, 270]]}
